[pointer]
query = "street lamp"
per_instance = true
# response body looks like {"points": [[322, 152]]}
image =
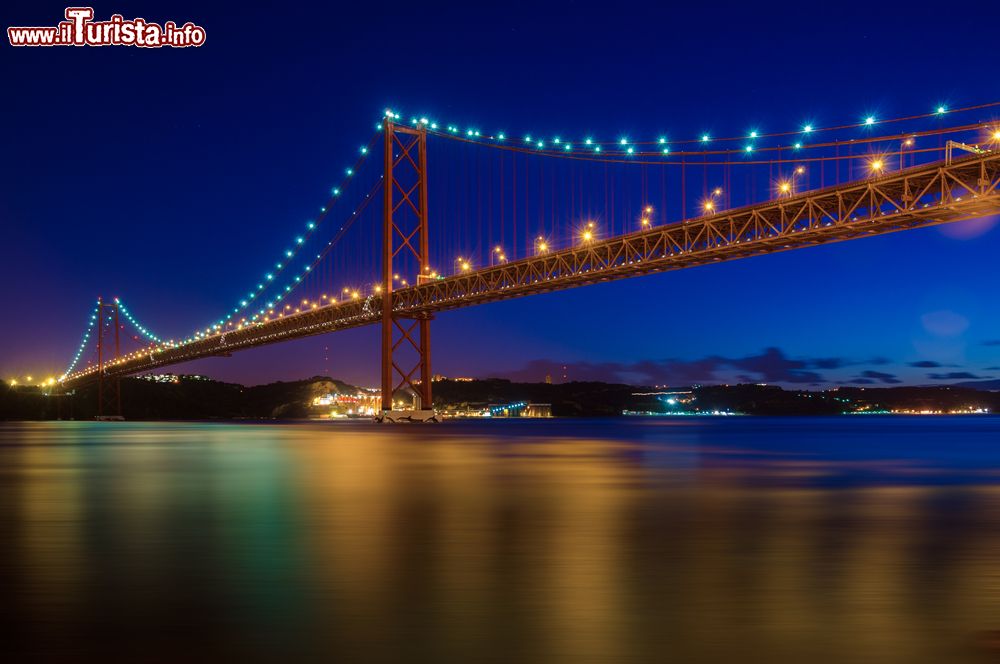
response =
{"points": [[646, 221], [498, 254], [708, 205], [787, 186], [541, 246]]}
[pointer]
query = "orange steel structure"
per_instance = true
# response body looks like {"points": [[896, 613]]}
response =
{"points": [[109, 398], [926, 195], [404, 231]]}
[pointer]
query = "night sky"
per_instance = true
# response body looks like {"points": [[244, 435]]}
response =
{"points": [[172, 177]]}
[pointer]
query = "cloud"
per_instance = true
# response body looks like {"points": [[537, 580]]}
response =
{"points": [[771, 365], [945, 323], [878, 376], [926, 364], [956, 375]]}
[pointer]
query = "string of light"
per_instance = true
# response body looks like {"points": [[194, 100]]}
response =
{"points": [[83, 342], [298, 242], [326, 250], [678, 158], [624, 145], [130, 318]]}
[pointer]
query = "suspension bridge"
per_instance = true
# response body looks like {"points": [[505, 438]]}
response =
{"points": [[452, 217]]}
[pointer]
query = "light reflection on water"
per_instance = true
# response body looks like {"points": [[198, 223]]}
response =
{"points": [[642, 540]]}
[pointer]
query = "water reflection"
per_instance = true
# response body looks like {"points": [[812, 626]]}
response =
{"points": [[755, 540]]}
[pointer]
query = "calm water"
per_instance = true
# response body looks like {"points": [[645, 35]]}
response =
{"points": [[737, 539]]}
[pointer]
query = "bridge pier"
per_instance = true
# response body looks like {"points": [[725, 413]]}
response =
{"points": [[406, 339], [109, 397]]}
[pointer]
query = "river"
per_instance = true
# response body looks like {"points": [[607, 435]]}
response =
{"points": [[851, 539]]}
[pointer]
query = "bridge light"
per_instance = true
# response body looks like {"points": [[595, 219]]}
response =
{"points": [[941, 110], [649, 209], [500, 136], [798, 146], [623, 142], [587, 141], [717, 191], [662, 140], [588, 236], [876, 165], [807, 128], [709, 206], [629, 150], [996, 135], [800, 170], [753, 134], [785, 186], [870, 120], [748, 148]]}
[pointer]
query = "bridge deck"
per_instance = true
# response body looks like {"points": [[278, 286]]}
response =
{"points": [[913, 198]]}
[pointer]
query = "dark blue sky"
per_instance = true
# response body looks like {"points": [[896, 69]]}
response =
{"points": [[172, 177]]}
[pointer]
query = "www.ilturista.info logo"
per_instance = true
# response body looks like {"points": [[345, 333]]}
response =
{"points": [[79, 29]]}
